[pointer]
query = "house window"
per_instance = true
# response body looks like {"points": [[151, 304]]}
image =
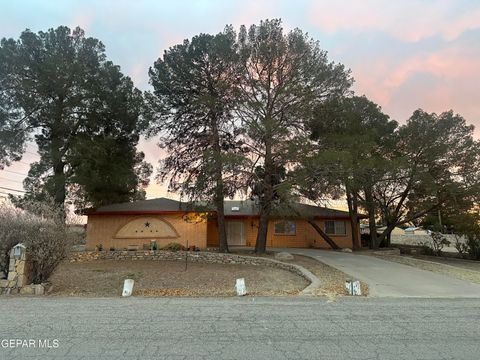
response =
{"points": [[333, 227], [285, 228]]}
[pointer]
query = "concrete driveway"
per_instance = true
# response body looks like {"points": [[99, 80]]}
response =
{"points": [[390, 279]]}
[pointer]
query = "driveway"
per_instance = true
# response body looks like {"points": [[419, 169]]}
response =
{"points": [[240, 328], [389, 279]]}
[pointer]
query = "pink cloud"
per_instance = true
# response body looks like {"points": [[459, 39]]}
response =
{"points": [[409, 21], [400, 86], [83, 19]]}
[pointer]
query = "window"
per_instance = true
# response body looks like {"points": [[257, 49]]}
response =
{"points": [[333, 227], [285, 228]]}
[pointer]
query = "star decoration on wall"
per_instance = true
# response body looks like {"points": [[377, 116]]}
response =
{"points": [[147, 224]]}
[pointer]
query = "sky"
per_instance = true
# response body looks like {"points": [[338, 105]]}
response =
{"points": [[403, 55]]}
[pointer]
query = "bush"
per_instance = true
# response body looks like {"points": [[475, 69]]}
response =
{"points": [[47, 241], [473, 247], [173, 246], [438, 243]]}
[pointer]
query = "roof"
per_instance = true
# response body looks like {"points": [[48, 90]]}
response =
{"points": [[232, 208], [250, 208], [146, 206]]}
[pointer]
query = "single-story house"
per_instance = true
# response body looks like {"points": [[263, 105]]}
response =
{"points": [[416, 230], [364, 229], [137, 224]]}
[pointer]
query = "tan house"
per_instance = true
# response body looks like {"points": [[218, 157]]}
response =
{"points": [[137, 224]]}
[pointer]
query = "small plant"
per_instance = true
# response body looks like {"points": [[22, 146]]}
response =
{"points": [[461, 246], [173, 246], [99, 247], [438, 242], [112, 248]]}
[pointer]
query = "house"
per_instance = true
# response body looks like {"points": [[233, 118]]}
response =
{"points": [[416, 230], [137, 224], [364, 229]]}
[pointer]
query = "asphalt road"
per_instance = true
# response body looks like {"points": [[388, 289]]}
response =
{"points": [[242, 328], [391, 279]]}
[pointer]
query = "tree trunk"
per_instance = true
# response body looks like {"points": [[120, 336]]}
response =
{"points": [[261, 243], [372, 225], [352, 202], [219, 188], [221, 229], [388, 241], [327, 238], [59, 179], [267, 199], [385, 235]]}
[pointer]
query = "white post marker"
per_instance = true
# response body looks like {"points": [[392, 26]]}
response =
{"points": [[240, 287], [128, 287], [353, 287]]}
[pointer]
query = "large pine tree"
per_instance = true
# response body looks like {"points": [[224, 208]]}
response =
{"points": [[195, 91], [58, 88], [284, 76]]}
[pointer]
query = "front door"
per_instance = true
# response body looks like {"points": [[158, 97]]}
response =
{"points": [[235, 233]]}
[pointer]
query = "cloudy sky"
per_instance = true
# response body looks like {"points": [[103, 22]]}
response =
{"points": [[403, 54]]}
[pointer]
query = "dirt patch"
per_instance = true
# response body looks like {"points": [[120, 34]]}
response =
{"points": [[169, 278], [461, 263], [332, 280], [448, 268]]}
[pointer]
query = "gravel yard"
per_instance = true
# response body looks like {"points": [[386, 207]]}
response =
{"points": [[463, 270], [168, 278], [332, 280]]}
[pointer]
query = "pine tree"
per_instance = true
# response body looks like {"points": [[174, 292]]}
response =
{"points": [[191, 107], [58, 88]]}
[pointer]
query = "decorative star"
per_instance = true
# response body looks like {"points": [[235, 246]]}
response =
{"points": [[147, 224]]}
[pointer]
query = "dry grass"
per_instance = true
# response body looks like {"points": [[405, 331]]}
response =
{"points": [[169, 278], [332, 280], [448, 268]]}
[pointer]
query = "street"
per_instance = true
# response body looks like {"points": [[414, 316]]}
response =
{"points": [[240, 328]]}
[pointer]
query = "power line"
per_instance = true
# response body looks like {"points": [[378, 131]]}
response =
{"points": [[10, 189], [13, 172], [15, 181], [23, 162]]}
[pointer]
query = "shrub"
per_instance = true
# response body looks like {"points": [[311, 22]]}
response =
{"points": [[173, 246], [438, 243], [467, 225], [461, 246], [473, 247], [47, 241]]}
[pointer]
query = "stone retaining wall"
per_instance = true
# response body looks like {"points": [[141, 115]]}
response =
{"points": [[200, 257], [425, 240]]}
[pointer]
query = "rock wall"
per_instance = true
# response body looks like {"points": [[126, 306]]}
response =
{"points": [[18, 271], [424, 240]]}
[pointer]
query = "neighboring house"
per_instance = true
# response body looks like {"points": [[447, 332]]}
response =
{"points": [[395, 231], [136, 224], [413, 230]]}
